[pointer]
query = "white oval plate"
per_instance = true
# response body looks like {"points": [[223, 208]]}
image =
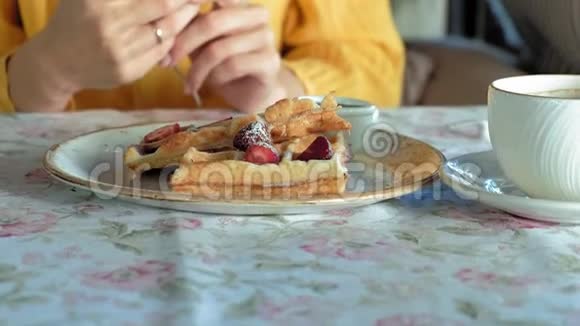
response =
{"points": [[94, 162], [478, 176]]}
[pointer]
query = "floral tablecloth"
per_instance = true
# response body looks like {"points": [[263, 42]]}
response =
{"points": [[430, 258]]}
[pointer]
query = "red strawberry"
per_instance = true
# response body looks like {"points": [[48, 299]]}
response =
{"points": [[162, 133], [262, 153], [320, 149], [254, 133]]}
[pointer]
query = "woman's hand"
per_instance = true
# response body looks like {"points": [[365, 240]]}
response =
{"points": [[94, 44], [233, 52]]}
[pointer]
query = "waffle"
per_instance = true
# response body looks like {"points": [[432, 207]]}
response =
{"points": [[295, 118], [210, 166], [225, 175], [216, 136]]}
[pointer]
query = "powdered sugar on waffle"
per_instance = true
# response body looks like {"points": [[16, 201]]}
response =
{"points": [[254, 133]]}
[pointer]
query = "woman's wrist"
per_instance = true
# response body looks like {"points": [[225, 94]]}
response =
{"points": [[291, 84], [287, 86], [37, 81]]}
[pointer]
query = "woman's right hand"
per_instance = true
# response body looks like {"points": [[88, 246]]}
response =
{"points": [[94, 44]]}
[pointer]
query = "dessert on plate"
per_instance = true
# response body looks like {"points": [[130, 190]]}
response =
{"points": [[295, 148]]}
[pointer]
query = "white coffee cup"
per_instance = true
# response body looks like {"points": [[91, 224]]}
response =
{"points": [[534, 125]]}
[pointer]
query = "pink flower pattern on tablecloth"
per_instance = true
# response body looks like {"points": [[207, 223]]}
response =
{"points": [[23, 223], [416, 320], [490, 279], [342, 213], [354, 251], [331, 223], [299, 310], [140, 276], [173, 224]]}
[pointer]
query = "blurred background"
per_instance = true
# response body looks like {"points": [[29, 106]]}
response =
{"points": [[456, 48]]}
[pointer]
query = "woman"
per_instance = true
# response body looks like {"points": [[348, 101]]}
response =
{"points": [[77, 54]]}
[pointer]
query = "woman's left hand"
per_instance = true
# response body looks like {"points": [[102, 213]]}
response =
{"points": [[233, 52]]}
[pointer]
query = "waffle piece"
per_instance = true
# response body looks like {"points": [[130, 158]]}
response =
{"points": [[226, 176], [318, 188], [295, 118], [217, 136]]}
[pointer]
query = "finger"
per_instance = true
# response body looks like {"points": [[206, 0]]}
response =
{"points": [[147, 11], [230, 3], [141, 64], [216, 24], [145, 36], [218, 51], [263, 64], [176, 22]]}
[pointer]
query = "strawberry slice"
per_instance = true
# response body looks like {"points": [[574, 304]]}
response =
{"points": [[320, 149], [162, 133], [262, 153]]}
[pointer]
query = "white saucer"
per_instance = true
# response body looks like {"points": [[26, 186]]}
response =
{"points": [[478, 177]]}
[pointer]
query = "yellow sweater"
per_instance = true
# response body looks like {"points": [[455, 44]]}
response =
{"points": [[348, 46]]}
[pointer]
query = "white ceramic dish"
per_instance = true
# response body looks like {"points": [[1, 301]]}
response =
{"points": [[533, 124], [479, 177], [94, 162]]}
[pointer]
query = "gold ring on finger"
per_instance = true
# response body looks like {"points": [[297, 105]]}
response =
{"points": [[159, 34]]}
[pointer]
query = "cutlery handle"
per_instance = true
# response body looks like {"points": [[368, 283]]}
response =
{"points": [[195, 94]]}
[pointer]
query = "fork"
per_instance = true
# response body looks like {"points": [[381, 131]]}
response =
{"points": [[195, 94]]}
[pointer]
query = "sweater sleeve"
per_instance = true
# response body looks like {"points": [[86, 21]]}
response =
{"points": [[351, 47], [12, 37]]}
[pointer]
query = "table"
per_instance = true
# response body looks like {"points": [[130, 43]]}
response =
{"points": [[69, 258]]}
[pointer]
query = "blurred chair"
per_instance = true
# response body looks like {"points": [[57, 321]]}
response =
{"points": [[443, 66]]}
